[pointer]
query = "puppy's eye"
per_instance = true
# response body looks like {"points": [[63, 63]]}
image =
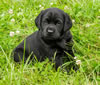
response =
{"points": [[57, 22], [46, 21]]}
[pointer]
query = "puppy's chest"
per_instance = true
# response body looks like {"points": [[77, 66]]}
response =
{"points": [[50, 52]]}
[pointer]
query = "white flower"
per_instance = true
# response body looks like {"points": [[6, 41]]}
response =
{"points": [[73, 21], [40, 6], [11, 34], [19, 8], [98, 17], [75, 57], [17, 32], [78, 62], [51, 3], [20, 13], [87, 25], [66, 7], [12, 20], [10, 11]]}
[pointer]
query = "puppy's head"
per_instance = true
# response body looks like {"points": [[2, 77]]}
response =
{"points": [[53, 23]]}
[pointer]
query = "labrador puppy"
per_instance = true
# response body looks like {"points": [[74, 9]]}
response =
{"points": [[53, 36]]}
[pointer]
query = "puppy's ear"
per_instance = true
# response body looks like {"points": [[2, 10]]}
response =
{"points": [[67, 22], [38, 20]]}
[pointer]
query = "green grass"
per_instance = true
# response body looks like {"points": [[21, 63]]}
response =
{"points": [[86, 35]]}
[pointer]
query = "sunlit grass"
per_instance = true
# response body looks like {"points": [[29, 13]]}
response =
{"points": [[17, 21]]}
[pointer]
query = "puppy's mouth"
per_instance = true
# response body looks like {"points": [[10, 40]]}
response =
{"points": [[49, 37]]}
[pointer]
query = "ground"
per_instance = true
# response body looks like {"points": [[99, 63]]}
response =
{"points": [[17, 21]]}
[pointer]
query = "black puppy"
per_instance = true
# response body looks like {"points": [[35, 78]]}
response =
{"points": [[52, 37]]}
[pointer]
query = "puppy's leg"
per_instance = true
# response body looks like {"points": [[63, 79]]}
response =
{"points": [[18, 55], [58, 62]]}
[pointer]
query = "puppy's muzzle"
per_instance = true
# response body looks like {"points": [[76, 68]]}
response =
{"points": [[50, 30]]}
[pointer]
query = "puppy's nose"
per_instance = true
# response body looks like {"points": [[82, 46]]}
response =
{"points": [[50, 30]]}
